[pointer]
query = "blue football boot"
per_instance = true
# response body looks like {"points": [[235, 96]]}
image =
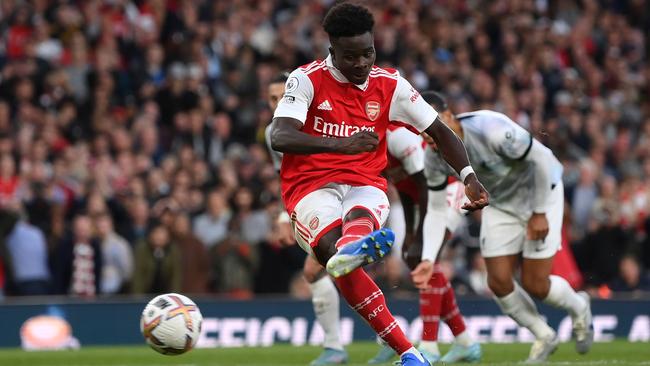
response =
{"points": [[366, 250], [410, 359]]}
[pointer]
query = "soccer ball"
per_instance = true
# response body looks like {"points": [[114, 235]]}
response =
{"points": [[171, 324]]}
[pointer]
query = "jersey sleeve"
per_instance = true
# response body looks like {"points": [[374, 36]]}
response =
{"points": [[509, 139], [406, 147], [409, 107], [298, 95]]}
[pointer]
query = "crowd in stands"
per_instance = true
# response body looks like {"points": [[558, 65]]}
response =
{"points": [[132, 155]]}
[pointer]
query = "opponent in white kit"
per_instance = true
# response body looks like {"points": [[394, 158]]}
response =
{"points": [[524, 219]]}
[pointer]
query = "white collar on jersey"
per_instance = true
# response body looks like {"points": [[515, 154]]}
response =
{"points": [[339, 77]]}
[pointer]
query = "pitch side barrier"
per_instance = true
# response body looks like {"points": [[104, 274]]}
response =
{"points": [[265, 321]]}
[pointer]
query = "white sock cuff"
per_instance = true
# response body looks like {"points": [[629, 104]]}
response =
{"points": [[509, 301], [562, 295]]}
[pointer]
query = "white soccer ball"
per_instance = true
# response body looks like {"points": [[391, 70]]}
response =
{"points": [[171, 324]]}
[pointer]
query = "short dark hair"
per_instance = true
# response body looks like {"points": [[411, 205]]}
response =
{"points": [[281, 77], [436, 99], [348, 20]]}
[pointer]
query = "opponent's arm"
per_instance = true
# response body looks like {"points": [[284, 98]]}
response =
{"points": [[538, 156], [435, 222], [287, 137], [538, 222], [453, 151]]}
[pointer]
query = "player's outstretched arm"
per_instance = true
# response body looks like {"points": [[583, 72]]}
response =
{"points": [[287, 137], [453, 151]]}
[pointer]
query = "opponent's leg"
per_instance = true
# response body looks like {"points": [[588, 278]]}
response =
{"points": [[325, 300], [517, 304], [361, 293], [556, 291]]}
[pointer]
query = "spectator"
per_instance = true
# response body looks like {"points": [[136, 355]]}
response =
{"points": [[117, 255], [78, 261], [158, 262], [195, 259], [139, 220], [28, 255], [211, 227], [9, 180], [250, 224], [632, 277]]}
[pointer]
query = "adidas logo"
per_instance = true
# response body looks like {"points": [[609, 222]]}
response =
{"points": [[325, 106]]}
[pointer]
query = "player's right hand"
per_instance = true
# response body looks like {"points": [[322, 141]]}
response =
{"points": [[422, 274], [360, 142], [477, 194]]}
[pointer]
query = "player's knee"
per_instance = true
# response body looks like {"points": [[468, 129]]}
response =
{"points": [[500, 286], [536, 286]]}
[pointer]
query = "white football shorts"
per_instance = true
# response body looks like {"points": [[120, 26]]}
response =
{"points": [[324, 209], [505, 234]]}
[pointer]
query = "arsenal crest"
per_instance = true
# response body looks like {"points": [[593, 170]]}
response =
{"points": [[372, 110], [313, 223]]}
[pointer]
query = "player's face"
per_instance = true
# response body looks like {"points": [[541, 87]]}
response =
{"points": [[276, 90], [354, 56]]}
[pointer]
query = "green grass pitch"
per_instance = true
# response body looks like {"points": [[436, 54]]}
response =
{"points": [[615, 353]]}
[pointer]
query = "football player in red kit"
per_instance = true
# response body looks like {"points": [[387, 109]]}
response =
{"points": [[331, 126]]}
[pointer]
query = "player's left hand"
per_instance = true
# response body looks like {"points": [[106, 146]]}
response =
{"points": [[422, 274], [537, 227], [477, 194]]}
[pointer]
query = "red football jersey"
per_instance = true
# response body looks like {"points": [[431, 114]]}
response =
{"points": [[320, 97]]}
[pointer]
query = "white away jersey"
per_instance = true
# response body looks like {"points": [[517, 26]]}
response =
{"points": [[497, 148]]}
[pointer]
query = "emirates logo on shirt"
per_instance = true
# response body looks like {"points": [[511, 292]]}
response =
{"points": [[372, 110], [342, 129]]}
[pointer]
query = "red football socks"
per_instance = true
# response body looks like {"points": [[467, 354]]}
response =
{"points": [[366, 298], [436, 303], [449, 311], [430, 306], [355, 229]]}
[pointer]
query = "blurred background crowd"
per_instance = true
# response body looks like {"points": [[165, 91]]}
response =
{"points": [[132, 156]]}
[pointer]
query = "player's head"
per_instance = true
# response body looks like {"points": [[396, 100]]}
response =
{"points": [[276, 89], [349, 27], [439, 103]]}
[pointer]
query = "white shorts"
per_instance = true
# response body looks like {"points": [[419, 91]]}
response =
{"points": [[505, 234], [324, 209]]}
